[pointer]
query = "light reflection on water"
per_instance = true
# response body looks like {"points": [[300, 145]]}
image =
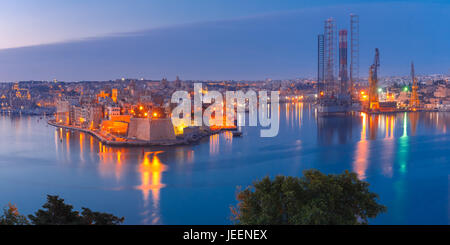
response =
{"points": [[151, 171], [403, 156], [362, 151]]}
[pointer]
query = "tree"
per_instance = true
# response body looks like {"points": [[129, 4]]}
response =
{"points": [[314, 199], [97, 218], [11, 216], [56, 212]]}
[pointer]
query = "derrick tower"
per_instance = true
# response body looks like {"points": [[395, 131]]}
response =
{"points": [[330, 43], [373, 82], [354, 51], [320, 65], [343, 75]]}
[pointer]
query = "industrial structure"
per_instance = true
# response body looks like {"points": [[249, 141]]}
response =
{"points": [[330, 42], [336, 87], [373, 82], [335, 90], [354, 52], [414, 102], [343, 73], [320, 64]]}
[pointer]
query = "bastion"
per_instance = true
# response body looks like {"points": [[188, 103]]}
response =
{"points": [[159, 129]]}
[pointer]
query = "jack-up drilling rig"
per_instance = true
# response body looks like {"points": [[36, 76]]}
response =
{"points": [[373, 82], [414, 102]]}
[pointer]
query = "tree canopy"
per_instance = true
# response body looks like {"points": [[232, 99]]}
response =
{"points": [[11, 216], [313, 199], [56, 212]]}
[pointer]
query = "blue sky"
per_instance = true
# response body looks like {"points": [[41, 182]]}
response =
{"points": [[31, 22], [209, 39]]}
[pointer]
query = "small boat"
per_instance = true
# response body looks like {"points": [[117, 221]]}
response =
{"points": [[237, 133]]}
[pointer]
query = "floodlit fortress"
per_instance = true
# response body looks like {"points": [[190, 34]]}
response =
{"points": [[123, 119], [160, 129], [108, 122]]}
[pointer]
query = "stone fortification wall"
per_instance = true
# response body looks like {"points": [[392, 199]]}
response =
{"points": [[162, 129]]}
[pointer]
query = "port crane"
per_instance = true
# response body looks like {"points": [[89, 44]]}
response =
{"points": [[414, 101]]}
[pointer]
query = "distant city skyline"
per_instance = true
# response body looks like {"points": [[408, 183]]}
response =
{"points": [[211, 40]]}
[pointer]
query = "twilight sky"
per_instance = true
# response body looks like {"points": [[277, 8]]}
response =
{"points": [[210, 39]]}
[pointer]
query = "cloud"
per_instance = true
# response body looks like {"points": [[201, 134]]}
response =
{"points": [[279, 45]]}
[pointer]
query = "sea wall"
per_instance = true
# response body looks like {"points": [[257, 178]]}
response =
{"points": [[191, 138], [161, 129], [139, 128], [151, 129]]}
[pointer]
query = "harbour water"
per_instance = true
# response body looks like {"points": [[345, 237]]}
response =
{"points": [[404, 156]]}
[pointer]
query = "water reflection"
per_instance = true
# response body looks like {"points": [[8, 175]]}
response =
{"points": [[214, 144], [436, 120], [68, 143], [190, 156], [373, 126], [218, 144], [91, 143], [360, 161], [228, 137], [403, 143], [293, 113], [388, 146], [413, 119], [151, 171], [56, 142], [81, 147], [110, 161], [402, 161], [379, 148], [330, 129]]}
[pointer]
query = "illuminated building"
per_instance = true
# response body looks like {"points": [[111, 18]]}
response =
{"points": [[80, 116], [117, 128], [112, 111], [62, 112], [95, 116], [114, 95], [102, 94]]}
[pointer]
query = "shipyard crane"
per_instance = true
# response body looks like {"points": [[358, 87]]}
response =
{"points": [[373, 82], [414, 100]]}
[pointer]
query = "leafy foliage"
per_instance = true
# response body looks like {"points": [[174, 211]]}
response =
{"points": [[97, 218], [56, 212], [314, 199], [11, 216]]}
